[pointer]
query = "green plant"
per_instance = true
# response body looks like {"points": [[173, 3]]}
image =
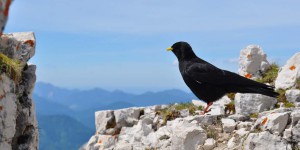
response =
{"points": [[282, 99], [12, 68], [231, 96], [298, 84], [254, 115], [270, 75], [230, 107], [211, 131], [190, 106]]}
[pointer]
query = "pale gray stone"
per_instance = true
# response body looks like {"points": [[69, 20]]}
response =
{"points": [[228, 125], [239, 117], [253, 61], [293, 95], [275, 122], [247, 104], [104, 119], [127, 117], [263, 140], [289, 73], [209, 144], [186, 135]]}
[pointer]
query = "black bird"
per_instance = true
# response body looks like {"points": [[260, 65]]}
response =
{"points": [[210, 83]]}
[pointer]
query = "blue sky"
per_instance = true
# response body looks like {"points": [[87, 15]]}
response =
{"points": [[121, 44]]}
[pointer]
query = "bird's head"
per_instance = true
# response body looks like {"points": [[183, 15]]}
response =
{"points": [[182, 50]]}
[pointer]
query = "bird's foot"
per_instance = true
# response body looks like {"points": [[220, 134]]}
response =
{"points": [[204, 112]]}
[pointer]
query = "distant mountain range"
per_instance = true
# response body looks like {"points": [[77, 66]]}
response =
{"points": [[76, 108]]}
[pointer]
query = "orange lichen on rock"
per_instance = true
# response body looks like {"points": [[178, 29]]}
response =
{"points": [[17, 47], [3, 95], [249, 56], [264, 121], [248, 75], [30, 42], [100, 141], [293, 67], [6, 9]]}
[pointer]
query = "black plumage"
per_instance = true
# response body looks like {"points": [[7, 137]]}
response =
{"points": [[210, 83]]}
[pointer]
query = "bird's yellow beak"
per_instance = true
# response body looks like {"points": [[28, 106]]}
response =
{"points": [[169, 48]]}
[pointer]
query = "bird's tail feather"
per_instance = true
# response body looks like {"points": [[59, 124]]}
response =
{"points": [[267, 90]]}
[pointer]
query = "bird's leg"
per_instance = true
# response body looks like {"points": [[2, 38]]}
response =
{"points": [[206, 110]]}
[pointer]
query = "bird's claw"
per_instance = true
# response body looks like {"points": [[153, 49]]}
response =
{"points": [[204, 112]]}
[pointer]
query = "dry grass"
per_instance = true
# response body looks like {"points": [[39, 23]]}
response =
{"points": [[12, 68]]}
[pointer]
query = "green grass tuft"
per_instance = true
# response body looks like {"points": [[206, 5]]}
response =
{"points": [[254, 115], [270, 75], [172, 112], [298, 84], [12, 68]]}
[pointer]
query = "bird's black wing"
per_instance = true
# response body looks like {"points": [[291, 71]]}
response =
{"points": [[207, 73]]}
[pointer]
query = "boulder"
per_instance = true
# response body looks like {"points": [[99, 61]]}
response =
{"points": [[247, 104], [247, 125], [135, 133], [252, 61], [263, 140], [17, 109], [186, 135], [127, 117], [217, 108], [296, 132], [209, 144], [289, 73], [293, 95], [4, 10], [275, 123], [104, 120], [228, 125], [239, 117]]}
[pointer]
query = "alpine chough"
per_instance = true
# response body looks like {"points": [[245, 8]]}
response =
{"points": [[210, 83]]}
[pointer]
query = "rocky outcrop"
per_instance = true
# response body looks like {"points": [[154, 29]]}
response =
{"points": [[289, 74], [18, 124], [258, 122], [253, 61], [17, 114], [277, 129]]}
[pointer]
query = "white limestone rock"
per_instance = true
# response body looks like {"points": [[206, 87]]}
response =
{"points": [[184, 113], [217, 108], [275, 123], [103, 120], [17, 110], [296, 132], [293, 95], [232, 142], [263, 140], [199, 103], [247, 125], [289, 73], [239, 117], [186, 135], [123, 146], [242, 132], [247, 104], [228, 125], [127, 117], [5, 4], [253, 61], [203, 119], [8, 112], [209, 144], [19, 46], [135, 133]]}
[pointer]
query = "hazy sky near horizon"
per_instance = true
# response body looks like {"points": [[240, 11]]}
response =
{"points": [[121, 44]]}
